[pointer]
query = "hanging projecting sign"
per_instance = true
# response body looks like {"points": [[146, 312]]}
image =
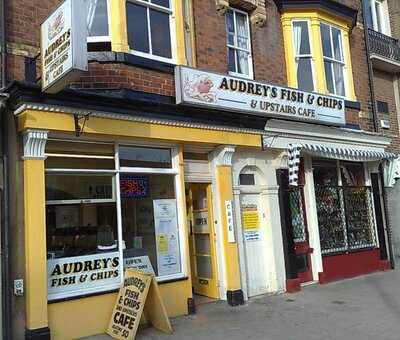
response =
{"points": [[196, 87], [63, 45]]}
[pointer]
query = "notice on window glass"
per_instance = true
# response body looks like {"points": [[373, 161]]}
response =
{"points": [[78, 275], [167, 238]]}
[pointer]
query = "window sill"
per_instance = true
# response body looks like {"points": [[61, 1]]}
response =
{"points": [[133, 60], [84, 296]]}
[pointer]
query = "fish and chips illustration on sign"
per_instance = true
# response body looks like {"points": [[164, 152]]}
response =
{"points": [[139, 293]]}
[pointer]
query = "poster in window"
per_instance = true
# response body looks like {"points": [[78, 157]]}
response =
{"points": [[167, 239], [134, 186]]}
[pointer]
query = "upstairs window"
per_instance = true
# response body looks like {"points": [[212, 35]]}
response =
{"points": [[238, 43], [97, 20], [376, 16], [333, 59], [149, 28], [303, 57]]}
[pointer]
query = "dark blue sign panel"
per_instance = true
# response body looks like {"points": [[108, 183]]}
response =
{"points": [[134, 186]]}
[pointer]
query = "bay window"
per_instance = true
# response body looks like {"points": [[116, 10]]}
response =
{"points": [[333, 59], [303, 56], [109, 208], [317, 53], [149, 28], [238, 43]]}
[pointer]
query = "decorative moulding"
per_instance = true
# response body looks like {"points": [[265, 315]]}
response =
{"points": [[34, 144], [224, 154], [256, 9]]}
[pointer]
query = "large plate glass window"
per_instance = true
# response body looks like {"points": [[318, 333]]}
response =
{"points": [[333, 59], [238, 43], [303, 57], [97, 20], [344, 206], [149, 28], [150, 226], [81, 219]]}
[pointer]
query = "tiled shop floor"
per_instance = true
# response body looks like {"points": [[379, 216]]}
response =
{"points": [[361, 309]]}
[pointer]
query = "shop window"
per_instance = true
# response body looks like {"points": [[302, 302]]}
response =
{"points": [[344, 207], [149, 221], [149, 28], [91, 204], [238, 43], [333, 59], [144, 157], [303, 57]]}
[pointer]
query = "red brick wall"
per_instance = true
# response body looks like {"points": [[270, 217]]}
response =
{"points": [[384, 91], [25, 16]]}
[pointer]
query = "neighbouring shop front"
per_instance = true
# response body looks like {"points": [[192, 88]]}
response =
{"points": [[333, 222]]}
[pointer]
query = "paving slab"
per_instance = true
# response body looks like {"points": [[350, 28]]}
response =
{"points": [[363, 308]]}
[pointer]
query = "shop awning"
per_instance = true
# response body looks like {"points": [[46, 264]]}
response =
{"points": [[341, 153]]}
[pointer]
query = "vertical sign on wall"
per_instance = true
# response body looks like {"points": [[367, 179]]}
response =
{"points": [[63, 45], [229, 221]]}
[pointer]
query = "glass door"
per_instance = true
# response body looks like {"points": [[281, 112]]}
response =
{"points": [[201, 240]]}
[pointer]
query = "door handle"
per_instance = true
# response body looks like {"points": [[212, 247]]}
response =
{"points": [[190, 227]]}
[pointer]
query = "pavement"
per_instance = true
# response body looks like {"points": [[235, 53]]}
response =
{"points": [[362, 308]]}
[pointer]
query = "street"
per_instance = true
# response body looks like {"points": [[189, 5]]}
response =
{"points": [[358, 309]]}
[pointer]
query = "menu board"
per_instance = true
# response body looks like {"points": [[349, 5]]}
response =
{"points": [[167, 237]]}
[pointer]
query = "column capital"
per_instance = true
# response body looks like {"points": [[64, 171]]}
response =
{"points": [[223, 155], [34, 144]]}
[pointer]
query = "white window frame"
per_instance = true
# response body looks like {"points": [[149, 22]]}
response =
{"points": [[179, 197], [116, 198], [332, 60], [382, 15], [172, 30], [311, 44], [102, 38], [237, 48]]}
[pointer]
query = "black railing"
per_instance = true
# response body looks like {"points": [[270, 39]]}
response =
{"points": [[383, 45], [297, 213], [345, 218]]}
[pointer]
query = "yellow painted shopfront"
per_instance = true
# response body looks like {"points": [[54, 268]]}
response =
{"points": [[126, 193]]}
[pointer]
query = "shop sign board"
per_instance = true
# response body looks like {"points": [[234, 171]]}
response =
{"points": [[167, 237], [225, 92], [139, 263], [79, 275], [63, 45], [139, 293]]}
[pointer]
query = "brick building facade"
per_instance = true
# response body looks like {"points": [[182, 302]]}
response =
{"points": [[213, 163]]}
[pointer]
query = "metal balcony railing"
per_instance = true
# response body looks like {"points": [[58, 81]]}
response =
{"points": [[383, 45]]}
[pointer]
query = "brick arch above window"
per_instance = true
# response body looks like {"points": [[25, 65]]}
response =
{"points": [[256, 9]]}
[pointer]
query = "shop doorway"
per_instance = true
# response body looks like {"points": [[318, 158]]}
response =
{"points": [[294, 222], [201, 239], [251, 203]]}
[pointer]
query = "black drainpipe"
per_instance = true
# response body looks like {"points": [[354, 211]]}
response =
{"points": [[5, 225], [370, 68]]}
